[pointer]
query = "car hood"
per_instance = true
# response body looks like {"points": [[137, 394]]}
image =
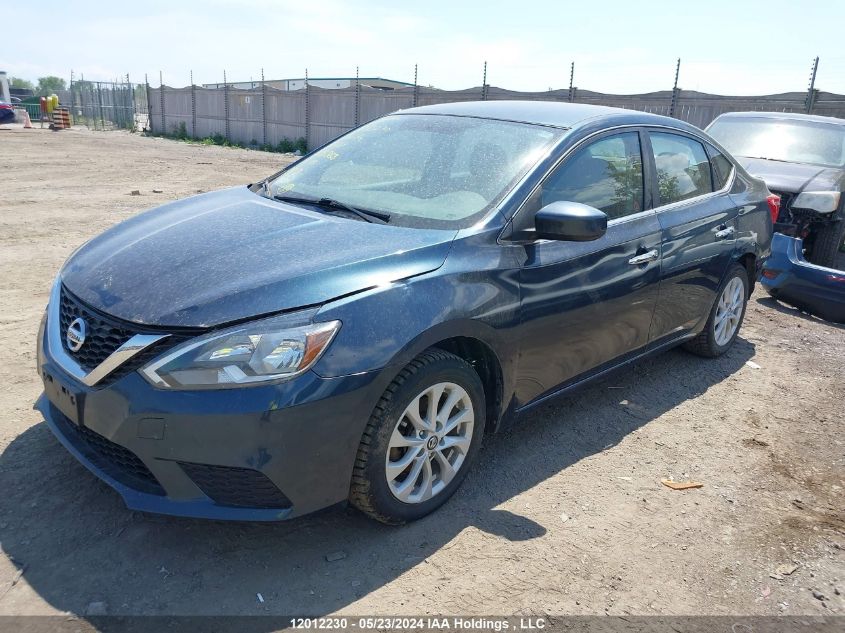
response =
{"points": [[793, 177], [231, 255]]}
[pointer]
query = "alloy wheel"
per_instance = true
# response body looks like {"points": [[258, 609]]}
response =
{"points": [[430, 442], [729, 311]]}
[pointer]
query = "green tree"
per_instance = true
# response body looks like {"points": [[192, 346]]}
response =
{"points": [[50, 84], [17, 82]]}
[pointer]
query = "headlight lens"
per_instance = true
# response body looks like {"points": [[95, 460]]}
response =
{"points": [[821, 201], [253, 353]]}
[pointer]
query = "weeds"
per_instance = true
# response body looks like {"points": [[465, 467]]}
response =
{"points": [[285, 146]]}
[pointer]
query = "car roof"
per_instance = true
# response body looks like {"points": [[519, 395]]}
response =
{"points": [[551, 113], [783, 116]]}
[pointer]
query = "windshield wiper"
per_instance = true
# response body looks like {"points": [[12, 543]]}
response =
{"points": [[335, 205]]}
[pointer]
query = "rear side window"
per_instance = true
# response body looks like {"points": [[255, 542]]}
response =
{"points": [[607, 175], [722, 168], [683, 170]]}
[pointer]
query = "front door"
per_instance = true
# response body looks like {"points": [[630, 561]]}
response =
{"points": [[585, 304]]}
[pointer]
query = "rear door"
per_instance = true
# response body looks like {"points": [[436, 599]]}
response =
{"points": [[585, 304], [698, 228]]}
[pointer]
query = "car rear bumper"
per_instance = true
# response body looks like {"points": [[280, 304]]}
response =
{"points": [[261, 453], [789, 277]]}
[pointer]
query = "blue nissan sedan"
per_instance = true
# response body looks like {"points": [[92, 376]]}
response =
{"points": [[351, 327]]}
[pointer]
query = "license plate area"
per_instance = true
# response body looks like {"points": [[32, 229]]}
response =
{"points": [[65, 398]]}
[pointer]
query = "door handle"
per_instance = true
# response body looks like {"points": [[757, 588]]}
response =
{"points": [[645, 258], [724, 233]]}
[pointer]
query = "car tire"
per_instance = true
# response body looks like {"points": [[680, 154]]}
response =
{"points": [[712, 341], [826, 245], [377, 483]]}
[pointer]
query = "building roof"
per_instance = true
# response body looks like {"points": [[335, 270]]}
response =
{"points": [[552, 113]]}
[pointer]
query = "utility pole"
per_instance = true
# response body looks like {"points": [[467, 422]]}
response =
{"points": [[811, 91]]}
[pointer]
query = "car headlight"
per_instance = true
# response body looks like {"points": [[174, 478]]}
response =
{"points": [[253, 353], [821, 201]]}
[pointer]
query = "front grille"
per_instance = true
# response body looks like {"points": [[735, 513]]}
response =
{"points": [[240, 487], [117, 462], [104, 335]]}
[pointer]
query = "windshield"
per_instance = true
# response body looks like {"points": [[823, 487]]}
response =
{"points": [[428, 171], [791, 141]]}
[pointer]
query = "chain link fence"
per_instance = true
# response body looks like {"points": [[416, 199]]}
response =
{"points": [[107, 105]]}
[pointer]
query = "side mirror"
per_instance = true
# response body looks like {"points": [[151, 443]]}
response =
{"points": [[570, 222]]}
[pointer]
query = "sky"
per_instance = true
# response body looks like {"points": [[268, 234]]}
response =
{"points": [[738, 47]]}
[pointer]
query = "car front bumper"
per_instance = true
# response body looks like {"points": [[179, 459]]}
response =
{"points": [[261, 453]]}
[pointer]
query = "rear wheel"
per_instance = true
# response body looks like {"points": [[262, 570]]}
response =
{"points": [[421, 439], [725, 317]]}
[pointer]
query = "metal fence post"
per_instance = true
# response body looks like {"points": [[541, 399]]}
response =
{"points": [[675, 90], [416, 87], [161, 91], [307, 112], [72, 99], [147, 94], [100, 102], [811, 91], [484, 84], [193, 107], [357, 98], [263, 110], [572, 82], [226, 103]]}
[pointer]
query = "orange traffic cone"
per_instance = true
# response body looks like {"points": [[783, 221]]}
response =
{"points": [[27, 123]]}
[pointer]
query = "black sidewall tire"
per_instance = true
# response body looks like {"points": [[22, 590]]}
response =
{"points": [[381, 503], [827, 243], [705, 343]]}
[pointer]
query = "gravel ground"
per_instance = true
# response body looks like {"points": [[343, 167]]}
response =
{"points": [[564, 514]]}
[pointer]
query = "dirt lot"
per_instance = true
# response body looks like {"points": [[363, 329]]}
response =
{"points": [[564, 514]]}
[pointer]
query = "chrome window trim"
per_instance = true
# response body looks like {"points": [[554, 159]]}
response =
{"points": [[57, 352]]}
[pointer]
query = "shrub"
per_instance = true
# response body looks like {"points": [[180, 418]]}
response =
{"points": [[180, 131]]}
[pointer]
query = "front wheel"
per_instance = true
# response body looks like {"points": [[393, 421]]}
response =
{"points": [[826, 245], [421, 439], [725, 317]]}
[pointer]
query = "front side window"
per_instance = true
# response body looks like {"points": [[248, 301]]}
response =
{"points": [[427, 171], [606, 175], [683, 170]]}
